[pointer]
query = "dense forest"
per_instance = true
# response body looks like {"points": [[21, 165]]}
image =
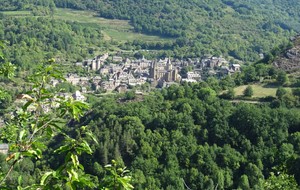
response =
{"points": [[33, 39], [186, 136], [242, 30]]}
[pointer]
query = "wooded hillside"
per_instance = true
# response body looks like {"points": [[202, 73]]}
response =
{"points": [[236, 28]]}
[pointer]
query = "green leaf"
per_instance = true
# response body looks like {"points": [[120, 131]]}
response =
{"points": [[73, 175], [32, 153], [69, 185], [21, 135], [88, 133], [17, 156], [81, 166], [45, 176], [63, 148], [49, 131], [55, 126], [20, 179], [26, 105], [38, 145], [86, 147], [75, 160], [86, 181]]}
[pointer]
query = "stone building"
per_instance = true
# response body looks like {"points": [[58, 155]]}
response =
{"points": [[166, 72], [78, 96]]}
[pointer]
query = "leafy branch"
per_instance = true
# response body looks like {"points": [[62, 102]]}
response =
{"points": [[34, 125]]}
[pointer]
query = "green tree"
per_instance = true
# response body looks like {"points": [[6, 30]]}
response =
{"points": [[296, 92], [229, 94], [65, 87], [255, 176], [280, 181], [249, 74], [5, 100], [244, 182], [280, 92], [248, 92], [282, 77], [130, 95]]}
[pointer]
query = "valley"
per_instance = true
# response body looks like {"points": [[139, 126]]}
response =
{"points": [[138, 94]]}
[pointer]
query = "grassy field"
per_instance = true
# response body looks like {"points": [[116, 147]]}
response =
{"points": [[16, 13], [259, 90], [113, 29]]}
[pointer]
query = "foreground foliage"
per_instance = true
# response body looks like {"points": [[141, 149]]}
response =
{"points": [[44, 117]]}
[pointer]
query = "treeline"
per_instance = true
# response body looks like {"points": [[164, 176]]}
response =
{"points": [[25, 5]]}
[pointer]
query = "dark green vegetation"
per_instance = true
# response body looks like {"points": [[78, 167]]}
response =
{"points": [[33, 136], [176, 138], [236, 28], [187, 134], [32, 39]]}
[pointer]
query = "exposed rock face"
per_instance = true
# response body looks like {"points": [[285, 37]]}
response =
{"points": [[290, 60]]}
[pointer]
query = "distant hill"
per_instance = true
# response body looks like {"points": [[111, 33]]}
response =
{"points": [[289, 60], [237, 28]]}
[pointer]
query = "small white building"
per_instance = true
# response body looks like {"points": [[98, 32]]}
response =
{"points": [[78, 96], [236, 67], [188, 80], [194, 76]]}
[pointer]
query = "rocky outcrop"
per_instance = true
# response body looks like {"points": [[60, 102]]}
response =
{"points": [[289, 61]]}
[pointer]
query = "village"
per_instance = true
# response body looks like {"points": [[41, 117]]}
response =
{"points": [[118, 74], [115, 73]]}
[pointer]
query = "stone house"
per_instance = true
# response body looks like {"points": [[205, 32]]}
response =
{"points": [[194, 76], [117, 59], [78, 96], [236, 67]]}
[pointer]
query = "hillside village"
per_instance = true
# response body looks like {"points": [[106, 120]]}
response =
{"points": [[115, 73]]}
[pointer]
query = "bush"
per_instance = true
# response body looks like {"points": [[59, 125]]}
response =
{"points": [[248, 92], [280, 92], [228, 94]]}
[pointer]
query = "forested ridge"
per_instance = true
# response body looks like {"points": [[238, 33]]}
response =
{"points": [[236, 28]]}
